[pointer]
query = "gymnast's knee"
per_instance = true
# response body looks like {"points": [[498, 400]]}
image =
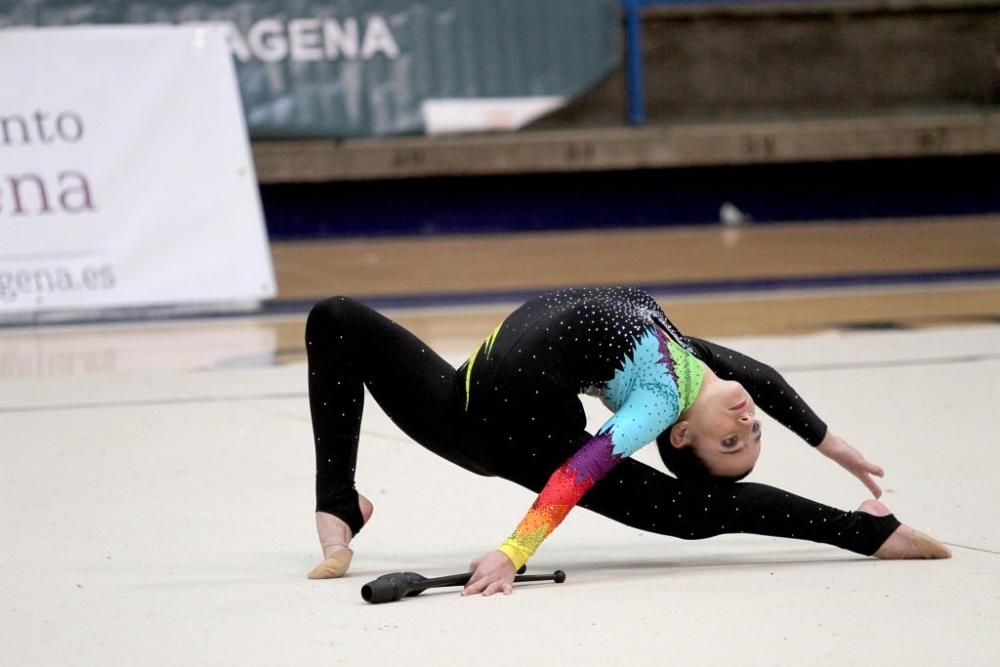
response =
{"points": [[329, 316]]}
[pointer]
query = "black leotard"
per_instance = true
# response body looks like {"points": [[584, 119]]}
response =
{"points": [[513, 410]]}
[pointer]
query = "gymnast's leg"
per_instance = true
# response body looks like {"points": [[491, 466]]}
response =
{"points": [[351, 346], [642, 497]]}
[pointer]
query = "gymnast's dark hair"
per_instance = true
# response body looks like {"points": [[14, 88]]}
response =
{"points": [[685, 464]]}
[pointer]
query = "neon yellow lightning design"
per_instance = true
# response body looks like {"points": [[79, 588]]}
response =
{"points": [[488, 346]]}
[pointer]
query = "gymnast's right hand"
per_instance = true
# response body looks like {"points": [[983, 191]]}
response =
{"points": [[491, 573]]}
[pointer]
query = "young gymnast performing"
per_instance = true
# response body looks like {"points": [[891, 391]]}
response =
{"points": [[513, 410]]}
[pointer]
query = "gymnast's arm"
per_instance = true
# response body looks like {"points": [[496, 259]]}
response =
{"points": [[779, 400]]}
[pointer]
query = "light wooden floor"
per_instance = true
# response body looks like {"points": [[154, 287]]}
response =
{"points": [[696, 273], [477, 263]]}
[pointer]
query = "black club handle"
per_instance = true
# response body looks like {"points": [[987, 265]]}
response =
{"points": [[397, 585]]}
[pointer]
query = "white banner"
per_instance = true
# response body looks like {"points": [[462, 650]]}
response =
{"points": [[126, 177]]}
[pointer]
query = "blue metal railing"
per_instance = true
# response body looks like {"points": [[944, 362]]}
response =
{"points": [[634, 82], [634, 78]]}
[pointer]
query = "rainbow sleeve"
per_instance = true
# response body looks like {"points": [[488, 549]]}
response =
{"points": [[628, 429]]}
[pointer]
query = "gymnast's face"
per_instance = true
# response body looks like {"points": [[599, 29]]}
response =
{"points": [[722, 427]]}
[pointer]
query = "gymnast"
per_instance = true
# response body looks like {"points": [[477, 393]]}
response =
{"points": [[513, 410]]}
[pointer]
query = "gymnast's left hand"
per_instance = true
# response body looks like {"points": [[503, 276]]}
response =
{"points": [[491, 573], [852, 460]]}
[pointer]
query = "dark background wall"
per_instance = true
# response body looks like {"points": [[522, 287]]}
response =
{"points": [[771, 59], [783, 68]]}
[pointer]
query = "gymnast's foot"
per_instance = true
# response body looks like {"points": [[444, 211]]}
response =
{"points": [[905, 542], [334, 537]]}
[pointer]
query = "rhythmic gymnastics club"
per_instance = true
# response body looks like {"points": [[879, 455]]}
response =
{"points": [[397, 585]]}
